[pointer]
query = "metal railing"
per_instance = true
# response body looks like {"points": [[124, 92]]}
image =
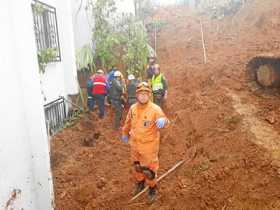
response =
{"points": [[55, 114]]}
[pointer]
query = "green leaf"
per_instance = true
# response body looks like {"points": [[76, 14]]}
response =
{"points": [[85, 57], [46, 56]]}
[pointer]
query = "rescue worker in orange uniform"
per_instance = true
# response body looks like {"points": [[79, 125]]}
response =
{"points": [[142, 131]]}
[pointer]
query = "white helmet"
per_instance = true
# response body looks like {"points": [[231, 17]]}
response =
{"points": [[100, 71], [117, 74], [131, 77]]}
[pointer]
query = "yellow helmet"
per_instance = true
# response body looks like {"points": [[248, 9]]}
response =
{"points": [[143, 86]]}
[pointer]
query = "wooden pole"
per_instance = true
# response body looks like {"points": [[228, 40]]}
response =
{"points": [[155, 34], [160, 178], [203, 42]]}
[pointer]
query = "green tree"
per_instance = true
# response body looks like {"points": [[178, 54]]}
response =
{"points": [[103, 35], [118, 40], [136, 48]]}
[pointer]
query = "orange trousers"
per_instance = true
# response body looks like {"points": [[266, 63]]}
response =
{"points": [[149, 161]]}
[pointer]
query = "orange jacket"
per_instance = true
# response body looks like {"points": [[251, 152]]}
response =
{"points": [[140, 126]]}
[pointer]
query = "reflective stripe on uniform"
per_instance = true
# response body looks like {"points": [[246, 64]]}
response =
{"points": [[99, 83]]}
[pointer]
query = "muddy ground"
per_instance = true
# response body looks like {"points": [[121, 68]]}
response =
{"points": [[213, 107]]}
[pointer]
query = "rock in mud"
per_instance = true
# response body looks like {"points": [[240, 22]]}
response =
{"points": [[271, 118], [101, 183]]}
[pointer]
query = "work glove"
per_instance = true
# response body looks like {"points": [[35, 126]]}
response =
{"points": [[125, 138], [160, 122]]}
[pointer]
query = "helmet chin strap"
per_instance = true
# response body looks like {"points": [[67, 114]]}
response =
{"points": [[143, 103]]}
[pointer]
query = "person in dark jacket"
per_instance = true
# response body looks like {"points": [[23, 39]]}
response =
{"points": [[89, 94], [131, 89], [99, 91], [110, 77], [116, 93], [150, 71]]}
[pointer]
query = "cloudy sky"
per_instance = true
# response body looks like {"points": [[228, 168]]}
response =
{"points": [[166, 2], [127, 5]]}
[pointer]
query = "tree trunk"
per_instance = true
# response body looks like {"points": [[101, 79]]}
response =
{"points": [[267, 75]]}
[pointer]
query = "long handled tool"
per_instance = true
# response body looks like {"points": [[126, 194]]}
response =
{"points": [[73, 104], [192, 156], [161, 177]]}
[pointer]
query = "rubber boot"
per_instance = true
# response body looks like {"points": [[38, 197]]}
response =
{"points": [[152, 195], [139, 187]]}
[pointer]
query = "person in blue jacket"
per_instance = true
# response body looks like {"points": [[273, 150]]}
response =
{"points": [[110, 78]]}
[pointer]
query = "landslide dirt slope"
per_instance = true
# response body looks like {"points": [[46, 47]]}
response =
{"points": [[206, 106]]}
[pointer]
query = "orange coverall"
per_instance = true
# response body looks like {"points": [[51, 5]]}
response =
{"points": [[144, 138]]}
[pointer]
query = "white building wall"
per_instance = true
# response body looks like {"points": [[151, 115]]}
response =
{"points": [[24, 148], [68, 47], [81, 23], [60, 78]]}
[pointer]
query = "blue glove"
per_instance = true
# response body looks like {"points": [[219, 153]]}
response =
{"points": [[125, 139], [160, 122]]}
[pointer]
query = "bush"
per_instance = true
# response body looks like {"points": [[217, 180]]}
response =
{"points": [[119, 39]]}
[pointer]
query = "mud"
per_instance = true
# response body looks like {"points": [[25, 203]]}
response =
{"points": [[211, 107]]}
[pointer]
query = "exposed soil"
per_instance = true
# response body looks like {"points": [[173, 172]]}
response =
{"points": [[234, 127]]}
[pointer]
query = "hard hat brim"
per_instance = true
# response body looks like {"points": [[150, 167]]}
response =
{"points": [[143, 89]]}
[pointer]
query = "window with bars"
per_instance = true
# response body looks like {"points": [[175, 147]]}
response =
{"points": [[45, 27]]}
